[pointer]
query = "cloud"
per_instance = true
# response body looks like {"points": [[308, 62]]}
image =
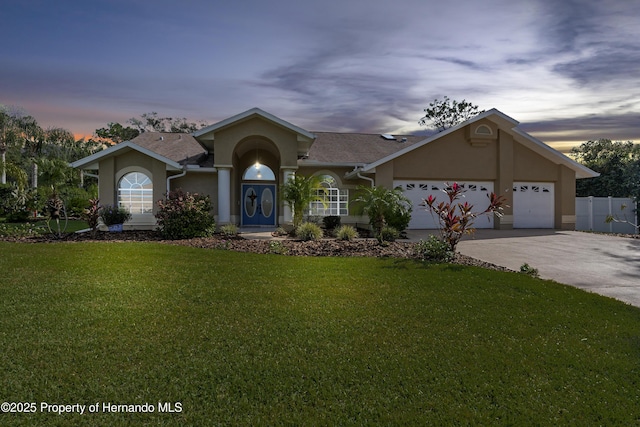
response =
{"points": [[591, 41], [349, 82], [617, 127], [604, 64]]}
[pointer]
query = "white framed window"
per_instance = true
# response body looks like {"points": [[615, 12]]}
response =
{"points": [[135, 193], [336, 200]]}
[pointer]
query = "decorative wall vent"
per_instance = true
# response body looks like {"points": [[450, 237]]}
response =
{"points": [[484, 130], [481, 135]]}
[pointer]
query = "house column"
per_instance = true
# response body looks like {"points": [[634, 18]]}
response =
{"points": [[504, 182], [224, 195], [287, 215]]}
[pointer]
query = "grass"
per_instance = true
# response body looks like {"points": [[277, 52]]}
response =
{"points": [[245, 339]]}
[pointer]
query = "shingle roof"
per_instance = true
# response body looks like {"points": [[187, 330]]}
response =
{"points": [[179, 147], [341, 148]]}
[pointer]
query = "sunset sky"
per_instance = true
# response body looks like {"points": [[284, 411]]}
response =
{"points": [[568, 70]]}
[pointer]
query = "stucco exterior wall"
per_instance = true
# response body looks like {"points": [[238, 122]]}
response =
{"points": [[449, 158], [493, 156], [106, 181], [565, 194], [285, 141], [205, 183], [112, 169]]}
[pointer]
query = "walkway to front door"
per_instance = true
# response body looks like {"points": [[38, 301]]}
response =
{"points": [[258, 205]]}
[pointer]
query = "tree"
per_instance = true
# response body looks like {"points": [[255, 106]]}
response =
{"points": [[384, 207], [298, 192], [116, 133], [446, 113], [30, 153], [150, 122], [618, 164]]}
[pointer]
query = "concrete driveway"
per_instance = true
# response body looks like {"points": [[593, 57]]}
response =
{"points": [[603, 264]]}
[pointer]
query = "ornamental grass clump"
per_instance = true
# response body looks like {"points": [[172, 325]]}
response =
{"points": [[184, 215], [346, 232], [309, 231], [388, 234], [229, 230]]}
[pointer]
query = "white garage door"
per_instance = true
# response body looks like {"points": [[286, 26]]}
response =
{"points": [[533, 205], [475, 193]]}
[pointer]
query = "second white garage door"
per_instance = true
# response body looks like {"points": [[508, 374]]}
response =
{"points": [[533, 204], [476, 193]]}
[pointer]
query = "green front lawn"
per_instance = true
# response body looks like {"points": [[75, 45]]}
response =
{"points": [[245, 339]]}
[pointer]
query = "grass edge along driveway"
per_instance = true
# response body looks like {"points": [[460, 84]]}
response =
{"points": [[246, 339]]}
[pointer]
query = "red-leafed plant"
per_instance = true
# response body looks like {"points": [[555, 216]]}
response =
{"points": [[184, 215], [456, 218], [91, 214]]}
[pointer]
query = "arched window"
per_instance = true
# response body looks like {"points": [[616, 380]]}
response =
{"points": [[135, 193], [336, 200], [258, 172]]}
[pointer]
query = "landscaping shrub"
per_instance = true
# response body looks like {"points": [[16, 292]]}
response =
{"points": [[388, 234], [19, 204], [277, 247], [528, 270], [309, 231], [21, 230], [433, 249], [384, 207], [91, 214], [76, 200], [6, 191], [398, 217], [346, 232], [112, 215], [183, 215], [280, 231], [229, 230], [18, 216], [331, 222]]}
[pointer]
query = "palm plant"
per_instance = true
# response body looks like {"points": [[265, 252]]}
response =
{"points": [[381, 204], [298, 192]]}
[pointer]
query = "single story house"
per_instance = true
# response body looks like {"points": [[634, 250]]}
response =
{"points": [[241, 162]]}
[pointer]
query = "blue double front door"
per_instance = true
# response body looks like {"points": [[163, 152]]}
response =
{"points": [[258, 204]]}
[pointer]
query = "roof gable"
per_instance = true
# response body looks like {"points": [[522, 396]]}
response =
{"points": [[505, 121], [207, 133], [91, 162]]}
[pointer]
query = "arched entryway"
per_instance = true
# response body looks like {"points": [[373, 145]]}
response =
{"points": [[258, 202], [257, 160]]}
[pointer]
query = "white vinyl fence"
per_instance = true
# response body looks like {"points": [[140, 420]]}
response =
{"points": [[592, 212]]}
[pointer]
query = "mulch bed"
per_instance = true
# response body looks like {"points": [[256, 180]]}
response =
{"points": [[283, 246]]}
